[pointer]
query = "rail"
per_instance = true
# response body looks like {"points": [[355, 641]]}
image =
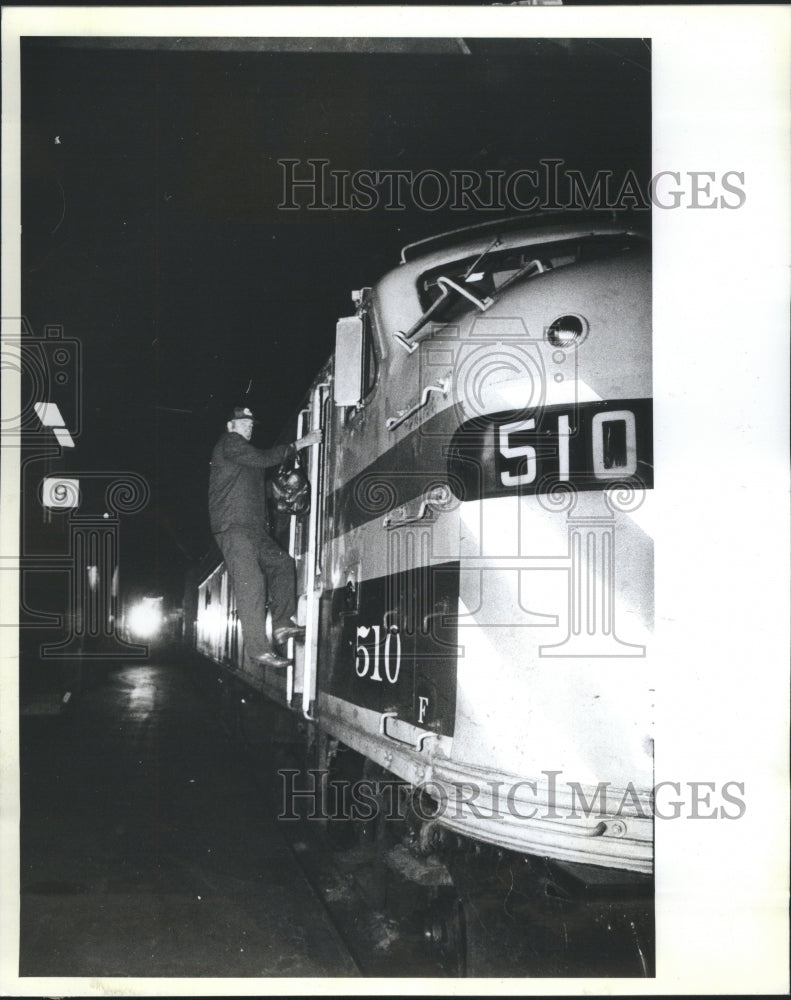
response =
{"points": [[442, 386], [313, 576], [418, 746]]}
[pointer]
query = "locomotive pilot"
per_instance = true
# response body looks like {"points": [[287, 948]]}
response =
{"points": [[257, 566]]}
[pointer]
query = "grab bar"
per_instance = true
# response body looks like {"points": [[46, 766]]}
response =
{"points": [[442, 386]]}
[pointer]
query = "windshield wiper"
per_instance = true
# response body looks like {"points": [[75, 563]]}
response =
{"points": [[447, 286]]}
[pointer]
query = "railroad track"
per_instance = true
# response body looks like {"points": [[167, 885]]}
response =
{"points": [[376, 914], [420, 901]]}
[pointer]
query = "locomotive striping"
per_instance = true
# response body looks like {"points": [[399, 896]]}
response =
{"points": [[391, 621], [396, 476], [450, 452]]}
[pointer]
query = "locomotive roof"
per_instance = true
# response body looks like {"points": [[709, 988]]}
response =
{"points": [[518, 231], [396, 294]]}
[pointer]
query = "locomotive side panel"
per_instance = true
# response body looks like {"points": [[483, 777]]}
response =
{"points": [[476, 572], [491, 496]]}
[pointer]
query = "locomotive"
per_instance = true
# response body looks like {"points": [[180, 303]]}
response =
{"points": [[475, 571]]}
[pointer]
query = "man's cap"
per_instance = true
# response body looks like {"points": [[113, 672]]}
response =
{"points": [[242, 413]]}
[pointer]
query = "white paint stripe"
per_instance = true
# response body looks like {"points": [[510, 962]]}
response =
{"points": [[382, 551], [510, 394], [431, 543], [558, 393]]}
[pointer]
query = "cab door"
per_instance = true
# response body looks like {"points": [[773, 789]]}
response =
{"points": [[385, 615]]}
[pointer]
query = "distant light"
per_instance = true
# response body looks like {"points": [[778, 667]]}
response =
{"points": [[145, 618]]}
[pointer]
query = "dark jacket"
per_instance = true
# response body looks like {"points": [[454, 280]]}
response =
{"points": [[237, 484]]}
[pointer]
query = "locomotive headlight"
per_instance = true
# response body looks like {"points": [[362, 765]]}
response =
{"points": [[567, 331], [145, 619]]}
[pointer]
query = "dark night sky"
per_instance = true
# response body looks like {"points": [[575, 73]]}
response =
{"points": [[151, 230]]}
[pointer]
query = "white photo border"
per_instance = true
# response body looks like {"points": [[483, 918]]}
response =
{"points": [[721, 363]]}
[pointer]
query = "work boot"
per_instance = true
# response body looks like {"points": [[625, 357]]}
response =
{"points": [[272, 659]]}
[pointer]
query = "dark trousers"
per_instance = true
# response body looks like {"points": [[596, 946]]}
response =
{"points": [[257, 566]]}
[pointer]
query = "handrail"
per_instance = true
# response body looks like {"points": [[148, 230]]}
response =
{"points": [[316, 509], [292, 546], [292, 528], [446, 285], [442, 386], [392, 714], [433, 500]]}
